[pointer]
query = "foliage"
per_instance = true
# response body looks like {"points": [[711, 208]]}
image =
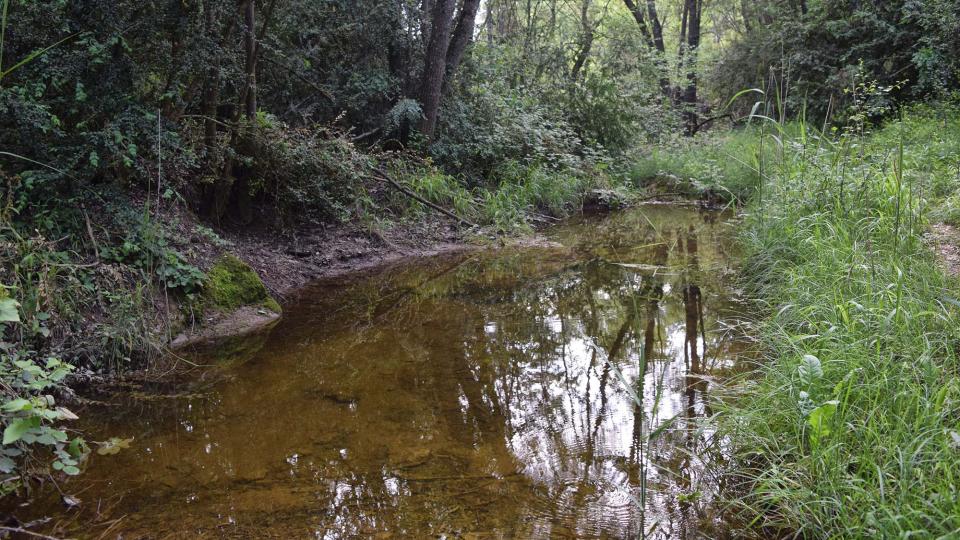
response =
{"points": [[305, 174], [493, 125], [849, 430], [710, 165], [147, 248], [815, 55], [33, 436]]}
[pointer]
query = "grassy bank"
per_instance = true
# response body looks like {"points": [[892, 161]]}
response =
{"points": [[850, 427], [715, 165]]}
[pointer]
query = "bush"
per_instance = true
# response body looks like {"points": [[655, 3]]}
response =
{"points": [[305, 174], [33, 437], [711, 164]]}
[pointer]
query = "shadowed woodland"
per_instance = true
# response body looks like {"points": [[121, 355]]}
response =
{"points": [[755, 337]]}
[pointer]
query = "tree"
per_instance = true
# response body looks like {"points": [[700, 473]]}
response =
{"points": [[431, 88], [443, 55], [462, 36], [690, 29]]}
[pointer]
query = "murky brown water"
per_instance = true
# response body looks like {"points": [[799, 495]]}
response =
{"points": [[488, 395]]}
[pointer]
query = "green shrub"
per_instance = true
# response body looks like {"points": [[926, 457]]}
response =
{"points": [[305, 174], [34, 439], [722, 165]]}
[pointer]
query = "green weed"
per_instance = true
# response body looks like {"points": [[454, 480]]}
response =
{"points": [[849, 429]]}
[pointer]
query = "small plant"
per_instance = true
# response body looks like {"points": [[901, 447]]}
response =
{"points": [[32, 433], [146, 247]]}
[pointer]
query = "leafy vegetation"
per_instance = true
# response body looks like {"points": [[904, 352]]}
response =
{"points": [[136, 133], [30, 416], [848, 430]]}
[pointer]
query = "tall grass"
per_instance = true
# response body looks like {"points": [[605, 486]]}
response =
{"points": [[723, 165], [851, 428], [515, 196]]}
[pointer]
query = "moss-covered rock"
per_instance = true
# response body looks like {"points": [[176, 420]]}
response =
{"points": [[231, 284]]}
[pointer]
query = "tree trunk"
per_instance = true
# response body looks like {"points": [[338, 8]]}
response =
{"points": [[682, 42], [655, 25], [435, 64], [654, 39], [641, 21], [426, 10], [586, 41], [462, 36], [694, 8], [250, 44]]}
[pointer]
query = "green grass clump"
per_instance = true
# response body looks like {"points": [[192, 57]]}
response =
{"points": [[514, 196], [851, 428], [720, 165], [231, 284]]}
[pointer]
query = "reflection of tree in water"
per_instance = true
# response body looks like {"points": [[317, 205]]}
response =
{"points": [[478, 394]]}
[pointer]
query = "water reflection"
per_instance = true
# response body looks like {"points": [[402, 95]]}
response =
{"points": [[532, 393]]}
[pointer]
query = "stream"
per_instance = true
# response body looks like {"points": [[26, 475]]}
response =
{"points": [[554, 390]]}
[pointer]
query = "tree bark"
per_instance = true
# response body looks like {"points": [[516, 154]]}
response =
{"points": [[462, 36], [250, 44], [695, 11], [586, 41], [654, 39], [641, 21], [435, 64], [655, 25]]}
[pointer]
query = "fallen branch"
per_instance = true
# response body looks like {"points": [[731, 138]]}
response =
{"points": [[384, 177], [712, 118]]}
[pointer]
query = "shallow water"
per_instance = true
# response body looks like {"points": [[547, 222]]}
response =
{"points": [[486, 395]]}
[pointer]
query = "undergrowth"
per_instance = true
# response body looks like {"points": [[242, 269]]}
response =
{"points": [[716, 165], [850, 427]]}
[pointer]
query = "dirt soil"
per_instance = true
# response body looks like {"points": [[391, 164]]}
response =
{"points": [[945, 240], [287, 263], [287, 260]]}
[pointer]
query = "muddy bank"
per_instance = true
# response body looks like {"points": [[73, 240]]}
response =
{"points": [[287, 260], [287, 263]]}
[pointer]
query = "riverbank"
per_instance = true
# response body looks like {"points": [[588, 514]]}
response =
{"points": [[139, 276], [848, 429], [400, 400]]}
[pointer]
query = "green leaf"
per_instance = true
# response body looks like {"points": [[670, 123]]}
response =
{"points": [[78, 447], [819, 420], [72, 470], [8, 310], [21, 426], [113, 446], [810, 369], [17, 405], [7, 465]]}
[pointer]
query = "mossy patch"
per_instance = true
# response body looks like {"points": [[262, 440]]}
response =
{"points": [[231, 284]]}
